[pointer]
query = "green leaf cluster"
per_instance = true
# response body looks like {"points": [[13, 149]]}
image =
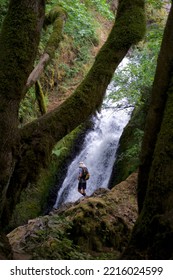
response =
{"points": [[101, 6], [54, 243], [157, 4], [80, 23], [139, 72]]}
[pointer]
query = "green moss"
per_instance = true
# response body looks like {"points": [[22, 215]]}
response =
{"points": [[92, 228], [54, 243], [154, 225], [40, 98], [19, 32], [56, 16], [130, 25]]}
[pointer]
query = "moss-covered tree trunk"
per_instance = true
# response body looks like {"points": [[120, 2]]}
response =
{"points": [[19, 40], [39, 137], [153, 232]]}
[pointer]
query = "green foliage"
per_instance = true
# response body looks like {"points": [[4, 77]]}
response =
{"points": [[54, 242], [139, 72], [80, 23], [3, 9], [34, 198], [82, 58], [70, 71], [101, 6], [157, 4], [28, 107], [132, 153], [80, 26], [127, 157]]}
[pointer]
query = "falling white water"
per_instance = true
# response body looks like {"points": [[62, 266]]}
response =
{"points": [[98, 154], [98, 151]]}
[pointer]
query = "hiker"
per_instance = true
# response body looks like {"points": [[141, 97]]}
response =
{"points": [[82, 179]]}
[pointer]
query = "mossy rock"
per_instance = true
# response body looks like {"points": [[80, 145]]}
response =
{"points": [[92, 228]]}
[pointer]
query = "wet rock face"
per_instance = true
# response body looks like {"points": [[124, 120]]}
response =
{"points": [[91, 227]]}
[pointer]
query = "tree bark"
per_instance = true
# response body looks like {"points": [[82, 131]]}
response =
{"points": [[38, 70], [156, 110], [19, 40], [153, 232]]}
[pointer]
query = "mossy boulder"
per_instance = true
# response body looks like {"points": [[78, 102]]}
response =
{"points": [[96, 227]]}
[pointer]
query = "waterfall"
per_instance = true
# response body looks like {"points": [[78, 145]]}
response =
{"points": [[98, 153]]}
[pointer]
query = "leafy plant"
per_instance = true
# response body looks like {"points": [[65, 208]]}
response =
{"points": [[157, 4], [80, 23], [28, 108], [101, 6], [139, 71]]}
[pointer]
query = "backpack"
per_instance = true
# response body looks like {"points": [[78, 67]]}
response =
{"points": [[85, 173]]}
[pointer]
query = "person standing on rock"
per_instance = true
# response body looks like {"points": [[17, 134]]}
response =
{"points": [[83, 176]]}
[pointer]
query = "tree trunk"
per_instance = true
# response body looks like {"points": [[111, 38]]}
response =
{"points": [[19, 40], [155, 114], [153, 232]]}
